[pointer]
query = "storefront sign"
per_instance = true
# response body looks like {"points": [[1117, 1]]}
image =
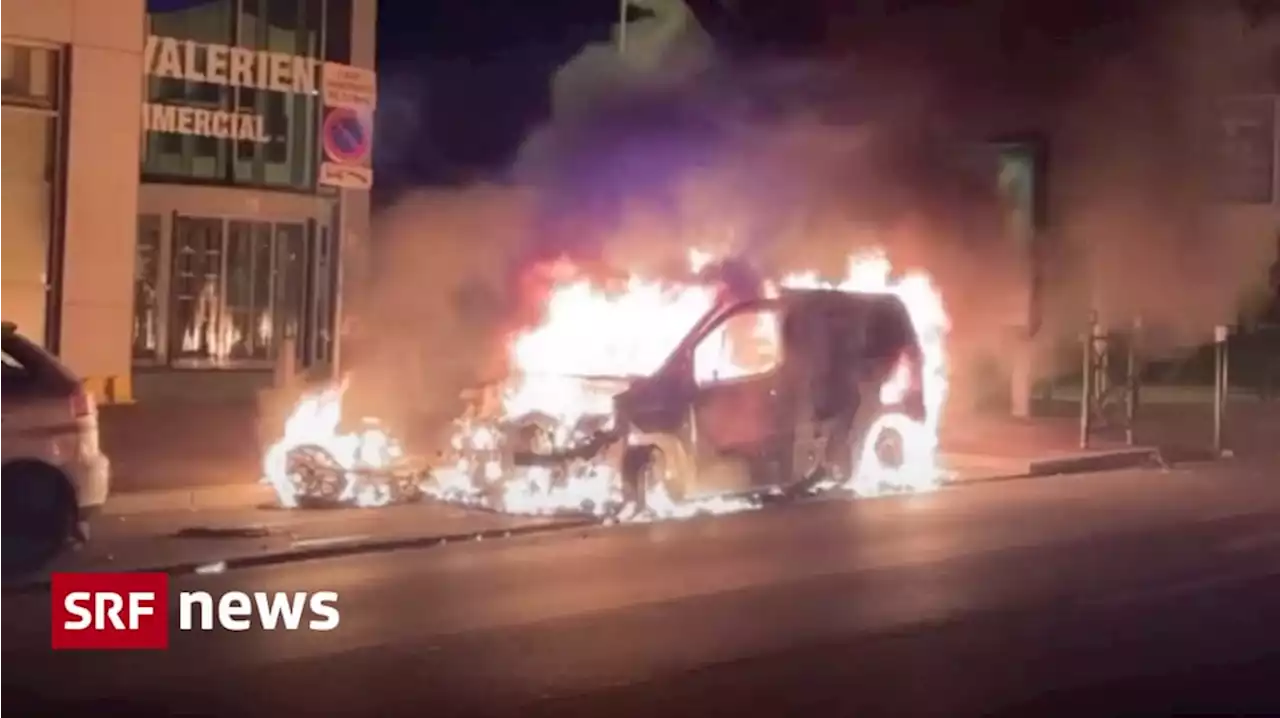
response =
{"points": [[203, 123], [229, 66], [226, 66]]}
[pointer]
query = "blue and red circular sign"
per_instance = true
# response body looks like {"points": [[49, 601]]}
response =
{"points": [[346, 136]]}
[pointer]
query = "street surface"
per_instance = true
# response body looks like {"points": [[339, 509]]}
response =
{"points": [[1113, 593]]}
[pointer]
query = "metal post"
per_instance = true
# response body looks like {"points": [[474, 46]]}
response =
{"points": [[1101, 365], [286, 361], [1131, 396], [622, 26], [1086, 384], [1220, 386]]}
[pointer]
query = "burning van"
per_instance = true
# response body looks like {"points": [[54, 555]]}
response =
{"points": [[648, 398], [776, 393]]}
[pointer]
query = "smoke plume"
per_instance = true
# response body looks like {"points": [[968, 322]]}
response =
{"points": [[796, 165]]}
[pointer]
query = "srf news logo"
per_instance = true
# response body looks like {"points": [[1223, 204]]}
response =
{"points": [[113, 611]]}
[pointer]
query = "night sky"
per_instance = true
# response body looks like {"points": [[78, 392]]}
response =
{"points": [[463, 80]]}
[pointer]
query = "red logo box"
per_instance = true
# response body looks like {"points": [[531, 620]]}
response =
{"points": [[110, 611]]}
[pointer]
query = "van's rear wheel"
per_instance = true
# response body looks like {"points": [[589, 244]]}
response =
{"points": [[39, 516], [890, 448]]}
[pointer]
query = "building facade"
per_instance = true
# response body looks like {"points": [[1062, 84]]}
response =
{"points": [[169, 228]]}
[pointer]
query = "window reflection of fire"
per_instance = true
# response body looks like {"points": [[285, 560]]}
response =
{"points": [[745, 345], [146, 328], [211, 330]]}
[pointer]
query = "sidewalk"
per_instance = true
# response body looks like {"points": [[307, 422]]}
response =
{"points": [[1179, 430]]}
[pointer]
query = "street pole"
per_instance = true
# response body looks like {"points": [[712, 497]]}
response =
{"points": [[1086, 382], [622, 26], [1221, 387], [1131, 396]]}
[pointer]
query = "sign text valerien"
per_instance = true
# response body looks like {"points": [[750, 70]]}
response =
{"points": [[215, 64]]}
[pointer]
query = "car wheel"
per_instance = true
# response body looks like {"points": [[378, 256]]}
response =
{"points": [[890, 448], [39, 517], [645, 470]]}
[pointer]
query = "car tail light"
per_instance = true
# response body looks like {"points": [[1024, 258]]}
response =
{"points": [[82, 403]]}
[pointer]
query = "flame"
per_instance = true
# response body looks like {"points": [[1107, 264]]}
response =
{"points": [[349, 464], [566, 371], [919, 468]]}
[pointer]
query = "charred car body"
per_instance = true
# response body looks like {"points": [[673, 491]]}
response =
{"points": [[765, 393]]}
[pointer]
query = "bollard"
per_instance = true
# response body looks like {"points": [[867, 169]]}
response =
{"points": [[1086, 384], [1221, 387], [286, 362], [1131, 393]]}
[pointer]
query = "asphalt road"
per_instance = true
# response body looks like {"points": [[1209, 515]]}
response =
{"points": [[1125, 593]]}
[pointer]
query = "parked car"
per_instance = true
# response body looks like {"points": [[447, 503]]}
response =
{"points": [[55, 474]]}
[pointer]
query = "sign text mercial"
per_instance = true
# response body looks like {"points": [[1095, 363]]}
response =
{"points": [[226, 66]]}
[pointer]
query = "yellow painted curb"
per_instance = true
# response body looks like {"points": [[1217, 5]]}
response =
{"points": [[114, 389]]}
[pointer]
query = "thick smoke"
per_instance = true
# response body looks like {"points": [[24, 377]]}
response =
{"points": [[796, 165]]}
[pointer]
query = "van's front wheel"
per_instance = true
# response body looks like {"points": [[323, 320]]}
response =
{"points": [[646, 478]]}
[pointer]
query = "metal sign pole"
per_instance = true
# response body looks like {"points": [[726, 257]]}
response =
{"points": [[622, 26], [1131, 396], [1086, 383], [1220, 387]]}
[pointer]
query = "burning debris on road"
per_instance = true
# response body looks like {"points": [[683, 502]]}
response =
{"points": [[625, 399]]}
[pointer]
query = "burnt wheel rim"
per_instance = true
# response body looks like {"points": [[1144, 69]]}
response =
{"points": [[889, 449]]}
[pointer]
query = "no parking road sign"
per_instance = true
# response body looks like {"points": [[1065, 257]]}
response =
{"points": [[347, 136]]}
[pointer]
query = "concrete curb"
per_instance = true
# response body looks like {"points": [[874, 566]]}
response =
{"points": [[233, 496], [1086, 462], [324, 551], [1095, 461]]}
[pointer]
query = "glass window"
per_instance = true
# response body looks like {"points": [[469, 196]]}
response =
{"points": [[31, 184], [198, 330], [238, 286], [337, 31], [146, 289], [282, 152], [889, 333], [746, 344], [189, 155], [327, 280], [249, 300], [30, 76], [290, 298]]}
